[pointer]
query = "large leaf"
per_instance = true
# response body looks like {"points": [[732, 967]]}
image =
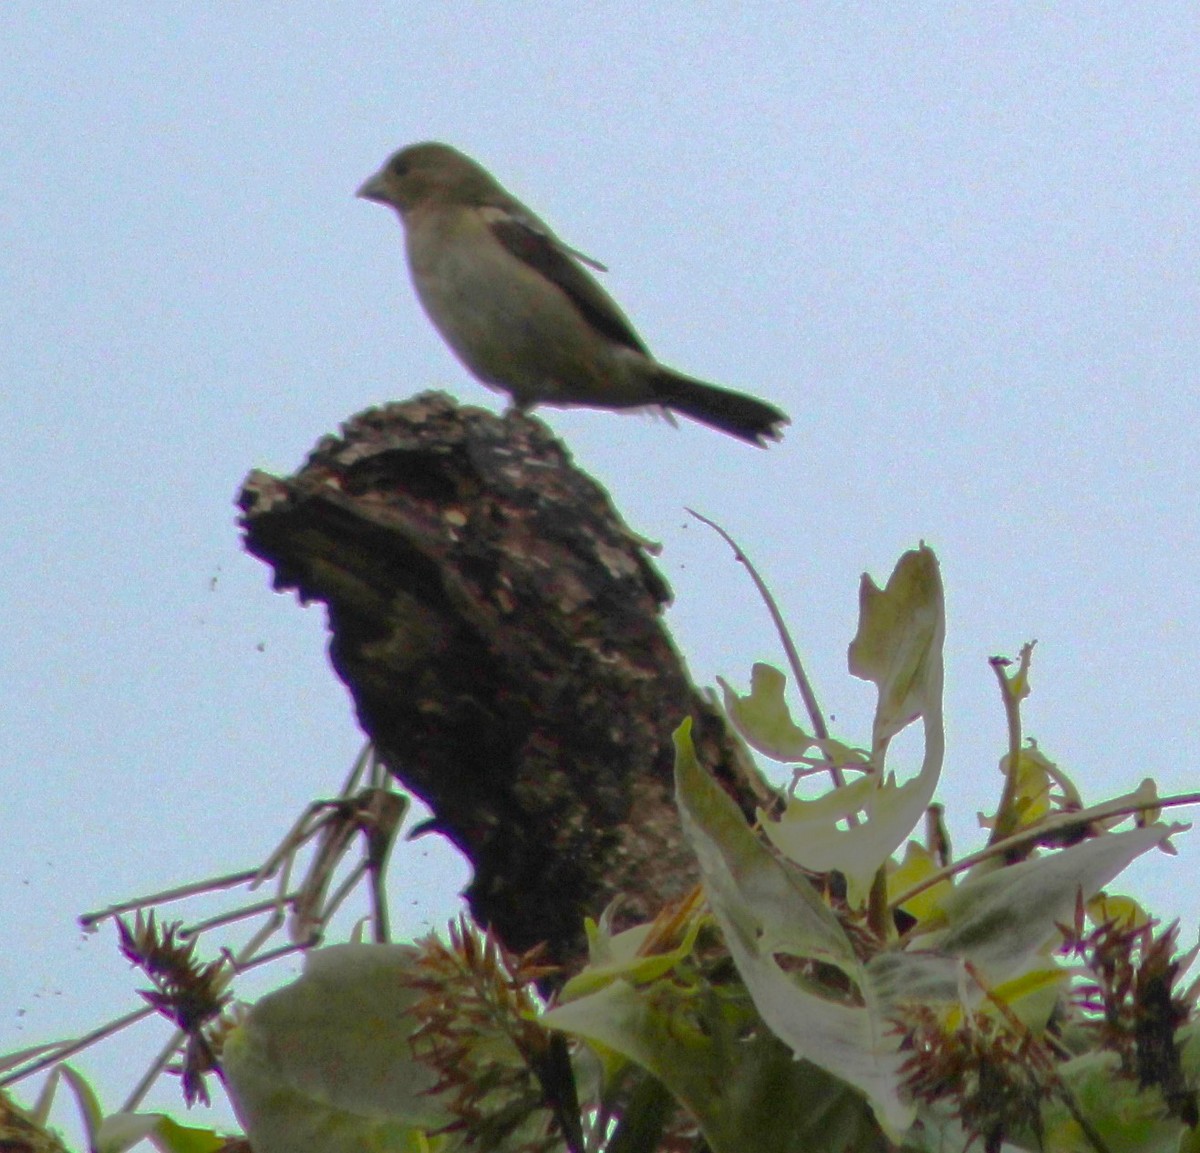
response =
{"points": [[742, 1084], [999, 920], [769, 912], [856, 828], [323, 1065]]}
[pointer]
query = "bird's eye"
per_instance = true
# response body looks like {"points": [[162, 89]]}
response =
{"points": [[399, 165]]}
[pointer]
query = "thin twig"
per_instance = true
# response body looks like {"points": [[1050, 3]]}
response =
{"points": [[68, 1048], [90, 921], [1006, 815], [817, 719], [234, 915], [376, 811], [1038, 832], [153, 1072]]}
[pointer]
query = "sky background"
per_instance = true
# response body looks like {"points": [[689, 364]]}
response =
{"points": [[959, 244]]}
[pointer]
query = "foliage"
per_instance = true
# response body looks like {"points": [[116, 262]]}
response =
{"points": [[838, 982]]}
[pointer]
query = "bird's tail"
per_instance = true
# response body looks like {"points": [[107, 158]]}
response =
{"points": [[740, 415]]}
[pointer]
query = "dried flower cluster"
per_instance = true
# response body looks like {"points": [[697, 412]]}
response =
{"points": [[189, 993], [1131, 1001], [506, 1078], [995, 1075], [994, 1078]]}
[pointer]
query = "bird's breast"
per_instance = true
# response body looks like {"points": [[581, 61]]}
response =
{"points": [[509, 325]]}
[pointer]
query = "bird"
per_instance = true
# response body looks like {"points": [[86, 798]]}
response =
{"points": [[518, 307]]}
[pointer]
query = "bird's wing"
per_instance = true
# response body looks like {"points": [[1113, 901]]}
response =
{"points": [[534, 245]]}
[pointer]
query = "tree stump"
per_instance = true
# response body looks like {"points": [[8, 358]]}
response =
{"points": [[500, 630]]}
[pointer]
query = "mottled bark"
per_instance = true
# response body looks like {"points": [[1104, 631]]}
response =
{"points": [[500, 631]]}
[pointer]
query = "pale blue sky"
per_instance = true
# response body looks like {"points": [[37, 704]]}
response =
{"points": [[958, 243]]}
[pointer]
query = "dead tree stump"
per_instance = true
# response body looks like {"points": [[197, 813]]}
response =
{"points": [[500, 631]]}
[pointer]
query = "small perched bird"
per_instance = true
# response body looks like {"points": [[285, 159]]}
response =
{"points": [[519, 309]]}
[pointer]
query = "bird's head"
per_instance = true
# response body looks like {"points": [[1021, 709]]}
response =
{"points": [[429, 174]]}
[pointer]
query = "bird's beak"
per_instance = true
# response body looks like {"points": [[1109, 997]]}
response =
{"points": [[374, 188]]}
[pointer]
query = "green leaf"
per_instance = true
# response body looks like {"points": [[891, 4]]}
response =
{"points": [[121, 1131], [323, 1065], [816, 833], [614, 955], [743, 1086], [999, 920], [1124, 1116], [857, 827], [1031, 795], [918, 864], [898, 646], [763, 717], [89, 1103], [767, 911], [171, 1137]]}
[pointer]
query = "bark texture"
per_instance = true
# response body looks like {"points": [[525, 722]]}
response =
{"points": [[500, 631]]}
